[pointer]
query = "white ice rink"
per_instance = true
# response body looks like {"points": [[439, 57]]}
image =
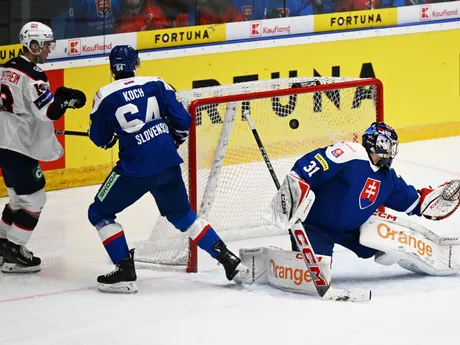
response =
{"points": [[61, 305]]}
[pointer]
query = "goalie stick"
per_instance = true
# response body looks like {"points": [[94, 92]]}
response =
{"points": [[309, 257]]}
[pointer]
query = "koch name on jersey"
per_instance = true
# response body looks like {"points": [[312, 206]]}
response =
{"points": [[149, 123]]}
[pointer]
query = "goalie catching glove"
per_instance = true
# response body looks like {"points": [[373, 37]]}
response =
{"points": [[441, 202], [291, 203]]}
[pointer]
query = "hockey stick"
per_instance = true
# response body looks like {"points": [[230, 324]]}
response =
{"points": [[309, 257], [64, 132]]}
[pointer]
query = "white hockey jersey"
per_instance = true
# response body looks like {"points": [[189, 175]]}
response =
{"points": [[25, 97]]}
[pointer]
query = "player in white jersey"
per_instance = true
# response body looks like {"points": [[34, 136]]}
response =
{"points": [[28, 109]]}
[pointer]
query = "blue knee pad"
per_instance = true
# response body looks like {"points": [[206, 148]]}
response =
{"points": [[352, 242], [182, 222], [95, 217], [363, 252]]}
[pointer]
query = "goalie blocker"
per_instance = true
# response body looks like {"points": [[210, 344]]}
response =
{"points": [[291, 203]]}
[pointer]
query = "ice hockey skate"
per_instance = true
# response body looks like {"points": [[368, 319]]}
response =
{"points": [[234, 269], [18, 259], [121, 279]]}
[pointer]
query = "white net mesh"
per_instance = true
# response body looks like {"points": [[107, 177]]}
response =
{"points": [[233, 183]]}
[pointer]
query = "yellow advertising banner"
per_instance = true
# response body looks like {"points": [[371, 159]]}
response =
{"points": [[9, 52], [355, 20], [181, 36], [420, 74]]}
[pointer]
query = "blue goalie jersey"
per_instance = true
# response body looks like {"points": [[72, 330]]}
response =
{"points": [[144, 113], [349, 188]]}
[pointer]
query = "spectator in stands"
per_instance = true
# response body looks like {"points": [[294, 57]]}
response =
{"points": [[265, 9], [217, 12], [317, 7], [178, 12], [357, 5], [142, 15], [92, 17]]}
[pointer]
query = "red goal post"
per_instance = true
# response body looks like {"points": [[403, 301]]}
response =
{"points": [[227, 181]]}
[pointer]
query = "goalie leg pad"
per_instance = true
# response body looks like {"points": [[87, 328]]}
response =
{"points": [[292, 202], [408, 248], [282, 269], [386, 259], [448, 262]]}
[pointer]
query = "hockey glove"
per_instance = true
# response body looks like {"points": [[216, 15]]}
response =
{"points": [[441, 202], [111, 143], [70, 98], [178, 140]]}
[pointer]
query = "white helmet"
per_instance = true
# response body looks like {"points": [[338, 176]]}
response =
{"points": [[38, 32]]}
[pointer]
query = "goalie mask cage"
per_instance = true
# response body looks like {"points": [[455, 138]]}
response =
{"points": [[227, 180]]}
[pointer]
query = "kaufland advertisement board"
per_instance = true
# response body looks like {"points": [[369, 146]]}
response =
{"points": [[94, 45], [269, 28], [76, 47], [280, 27], [410, 84], [429, 12]]}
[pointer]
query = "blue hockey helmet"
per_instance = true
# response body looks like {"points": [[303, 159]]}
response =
{"points": [[382, 140], [123, 59]]}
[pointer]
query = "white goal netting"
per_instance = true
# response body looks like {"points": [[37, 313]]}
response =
{"points": [[232, 185]]}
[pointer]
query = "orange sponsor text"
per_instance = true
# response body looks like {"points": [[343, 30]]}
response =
{"points": [[384, 231]]}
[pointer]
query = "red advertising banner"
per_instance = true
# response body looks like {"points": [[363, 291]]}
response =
{"points": [[56, 79]]}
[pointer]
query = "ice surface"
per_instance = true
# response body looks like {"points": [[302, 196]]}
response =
{"points": [[61, 305]]}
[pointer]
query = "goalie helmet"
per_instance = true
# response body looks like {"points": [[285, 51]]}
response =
{"points": [[35, 32], [382, 140], [124, 59]]}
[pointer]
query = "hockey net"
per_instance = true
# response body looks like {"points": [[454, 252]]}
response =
{"points": [[228, 182]]}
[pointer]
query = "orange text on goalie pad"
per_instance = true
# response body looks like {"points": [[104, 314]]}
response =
{"points": [[297, 275], [385, 232]]}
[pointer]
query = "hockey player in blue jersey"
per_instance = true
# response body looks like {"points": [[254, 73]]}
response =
{"points": [[335, 192], [143, 114], [360, 179]]}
